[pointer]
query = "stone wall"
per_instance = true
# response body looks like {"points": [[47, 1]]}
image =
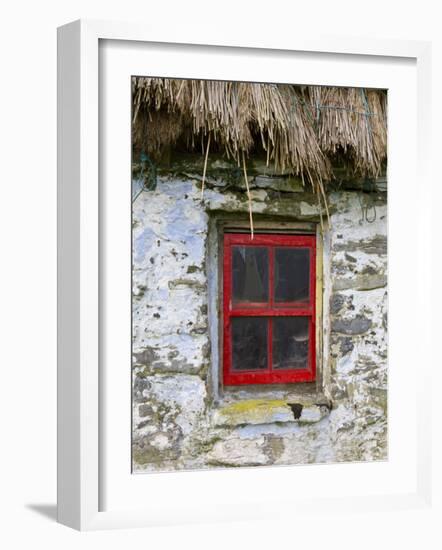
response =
{"points": [[182, 418]]}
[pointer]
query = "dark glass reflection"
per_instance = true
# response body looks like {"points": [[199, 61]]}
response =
{"points": [[250, 274], [249, 343], [292, 274], [290, 342]]}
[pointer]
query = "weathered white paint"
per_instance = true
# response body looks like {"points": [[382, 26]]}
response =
{"points": [[179, 421]]}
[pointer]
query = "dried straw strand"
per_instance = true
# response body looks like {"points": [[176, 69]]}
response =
{"points": [[249, 198], [205, 166]]}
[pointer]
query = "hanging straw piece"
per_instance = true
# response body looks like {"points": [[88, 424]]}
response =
{"points": [[268, 152], [205, 167], [248, 194], [318, 198]]}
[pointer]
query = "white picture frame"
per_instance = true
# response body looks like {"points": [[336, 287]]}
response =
{"points": [[80, 368]]}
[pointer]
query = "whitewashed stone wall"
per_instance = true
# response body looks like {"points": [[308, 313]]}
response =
{"points": [[180, 419]]}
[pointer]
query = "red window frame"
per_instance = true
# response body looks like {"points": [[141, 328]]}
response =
{"points": [[303, 309]]}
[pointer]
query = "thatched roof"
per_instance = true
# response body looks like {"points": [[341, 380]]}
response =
{"points": [[302, 130]]}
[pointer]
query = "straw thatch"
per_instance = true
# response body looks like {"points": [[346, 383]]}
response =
{"points": [[302, 130]]}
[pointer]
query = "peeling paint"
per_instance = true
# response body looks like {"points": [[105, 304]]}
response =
{"points": [[177, 424]]}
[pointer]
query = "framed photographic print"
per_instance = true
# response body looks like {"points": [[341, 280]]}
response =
{"points": [[235, 285]]}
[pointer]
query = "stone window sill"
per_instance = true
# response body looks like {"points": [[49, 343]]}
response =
{"points": [[268, 411]]}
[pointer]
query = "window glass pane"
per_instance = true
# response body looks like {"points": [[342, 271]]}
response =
{"points": [[250, 274], [292, 274], [290, 342], [249, 343]]}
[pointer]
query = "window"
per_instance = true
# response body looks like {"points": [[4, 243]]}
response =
{"points": [[269, 309]]}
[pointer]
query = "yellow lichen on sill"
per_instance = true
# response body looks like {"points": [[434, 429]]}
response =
{"points": [[268, 411], [253, 411]]}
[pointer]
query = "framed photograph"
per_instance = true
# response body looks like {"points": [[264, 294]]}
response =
{"points": [[243, 300]]}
